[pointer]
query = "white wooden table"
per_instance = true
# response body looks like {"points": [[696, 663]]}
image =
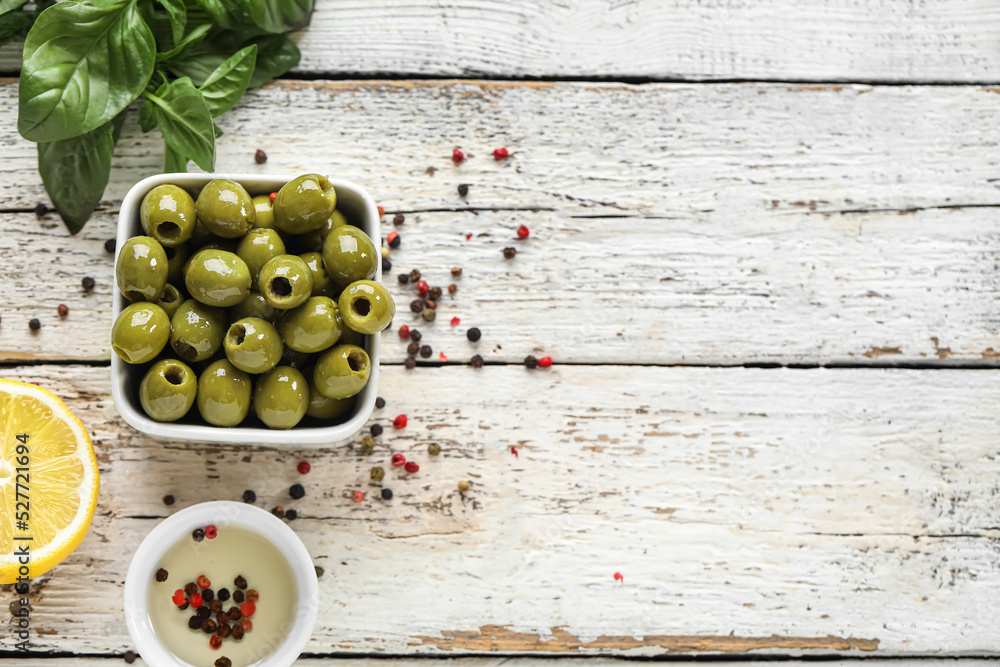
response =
{"points": [[764, 257]]}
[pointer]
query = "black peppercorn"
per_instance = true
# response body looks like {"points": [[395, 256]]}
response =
{"points": [[234, 613], [241, 583], [198, 534], [260, 157], [403, 278], [474, 334], [88, 284], [238, 631], [435, 293], [130, 656], [208, 626], [208, 595], [417, 305], [40, 210], [291, 515], [509, 253], [530, 361], [224, 631], [463, 189], [413, 348], [394, 241], [398, 219], [414, 275], [415, 335], [452, 288], [190, 588], [203, 612], [195, 622], [109, 246], [476, 361], [34, 324], [215, 605], [386, 494], [386, 265], [223, 594], [456, 271], [426, 351], [168, 499], [224, 661], [278, 511], [161, 575], [297, 491], [379, 403], [249, 496], [410, 363], [376, 430]]}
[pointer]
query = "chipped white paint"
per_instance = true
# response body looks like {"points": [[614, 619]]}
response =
{"points": [[746, 509], [670, 224], [876, 40]]}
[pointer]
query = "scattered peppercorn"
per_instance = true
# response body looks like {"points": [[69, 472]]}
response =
{"points": [[410, 363], [234, 612], [398, 460], [110, 245], [248, 608], [463, 189], [272, 196], [297, 491], [452, 288], [303, 467], [455, 321], [426, 351], [404, 332], [545, 362], [377, 474], [412, 467], [223, 594], [198, 534], [253, 595], [386, 494], [463, 486], [211, 532], [530, 361], [195, 621], [238, 631], [161, 575], [435, 293], [357, 496], [41, 209], [291, 515], [203, 581], [509, 253], [202, 613], [240, 582], [386, 252], [379, 403], [168, 500], [224, 661], [130, 657], [457, 156], [413, 348], [278, 511], [414, 275], [260, 157], [403, 278], [381, 212], [386, 265], [443, 357], [430, 303], [208, 597], [500, 153], [522, 232], [88, 284], [415, 335], [456, 271], [398, 219], [474, 334], [249, 496], [434, 449], [476, 361], [429, 314], [399, 421], [376, 429], [319, 571], [393, 239], [417, 305], [195, 600], [367, 445], [190, 588], [422, 288], [34, 324]]}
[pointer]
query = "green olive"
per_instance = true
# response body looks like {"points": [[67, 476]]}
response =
{"points": [[140, 332], [258, 246], [313, 241], [264, 213], [253, 345], [349, 336], [167, 214], [337, 219], [170, 300], [141, 269], [255, 305], [342, 372], [167, 390], [281, 397], [201, 235], [196, 330], [224, 394], [349, 255], [217, 278], [285, 281], [321, 407], [225, 208], [313, 326], [177, 257], [296, 359], [321, 280], [304, 204], [366, 306]]}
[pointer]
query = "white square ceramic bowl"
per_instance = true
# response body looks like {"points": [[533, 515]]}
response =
{"points": [[359, 207]]}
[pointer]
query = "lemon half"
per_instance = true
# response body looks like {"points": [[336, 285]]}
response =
{"points": [[48, 480]]}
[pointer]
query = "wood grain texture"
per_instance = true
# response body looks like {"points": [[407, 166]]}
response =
{"points": [[748, 510], [877, 40]]}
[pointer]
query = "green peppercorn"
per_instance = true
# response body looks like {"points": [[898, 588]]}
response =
{"points": [[378, 474], [367, 445], [434, 449]]}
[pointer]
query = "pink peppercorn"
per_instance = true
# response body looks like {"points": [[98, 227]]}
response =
{"points": [[523, 232], [404, 332], [303, 467], [412, 467], [457, 156], [398, 460], [545, 362], [399, 422], [500, 154], [455, 321], [357, 496]]}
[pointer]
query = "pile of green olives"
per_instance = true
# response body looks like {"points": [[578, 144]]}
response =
{"points": [[240, 302]]}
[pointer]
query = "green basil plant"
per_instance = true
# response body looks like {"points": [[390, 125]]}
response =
{"points": [[86, 61]]}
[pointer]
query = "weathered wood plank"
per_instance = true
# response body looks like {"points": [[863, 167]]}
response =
{"points": [[879, 40], [530, 662], [702, 236], [748, 510]]}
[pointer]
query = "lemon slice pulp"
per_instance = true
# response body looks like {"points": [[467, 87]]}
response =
{"points": [[48, 480]]}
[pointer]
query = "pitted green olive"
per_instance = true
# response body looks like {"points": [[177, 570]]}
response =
{"points": [[141, 269], [225, 208], [167, 215], [341, 372], [281, 397], [217, 278], [140, 332], [349, 255], [168, 389], [304, 204], [366, 306]]}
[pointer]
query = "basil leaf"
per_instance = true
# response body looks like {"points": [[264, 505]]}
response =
{"points": [[192, 38], [173, 162], [83, 63], [218, 130], [177, 13], [225, 13], [75, 171], [147, 116], [186, 122], [278, 15], [276, 54], [225, 86], [10, 5], [14, 25]]}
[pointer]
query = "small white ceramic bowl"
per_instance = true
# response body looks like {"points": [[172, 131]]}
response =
{"points": [[220, 513], [358, 206]]}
